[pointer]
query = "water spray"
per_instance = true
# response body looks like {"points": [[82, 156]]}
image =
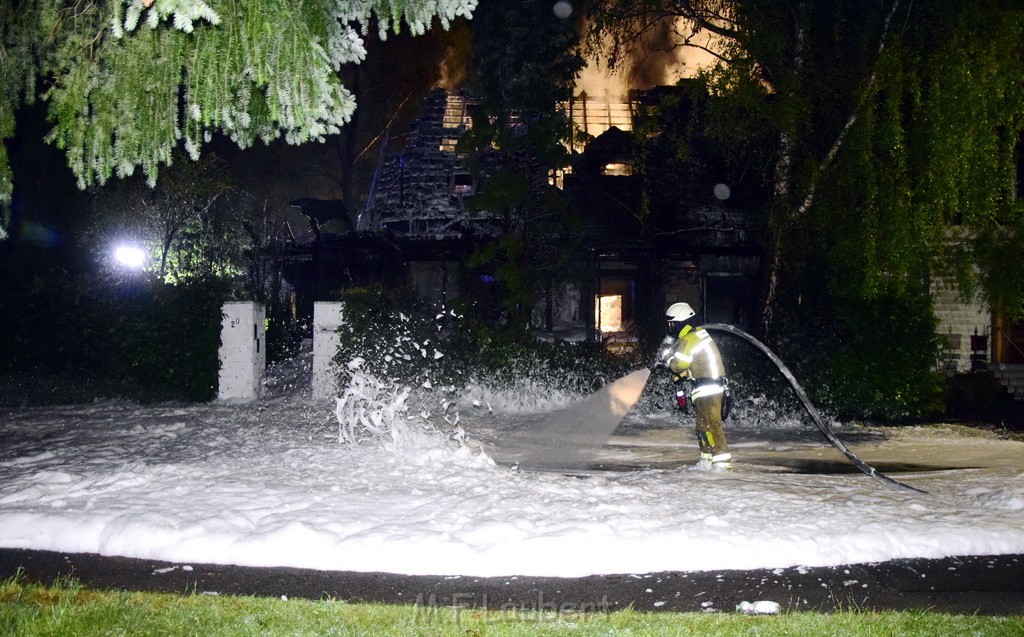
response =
{"points": [[825, 428]]}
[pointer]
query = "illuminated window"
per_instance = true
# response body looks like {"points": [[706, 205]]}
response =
{"points": [[456, 121], [608, 311], [617, 169], [556, 177], [462, 184]]}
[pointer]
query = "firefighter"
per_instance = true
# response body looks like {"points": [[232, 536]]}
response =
{"points": [[698, 374]]}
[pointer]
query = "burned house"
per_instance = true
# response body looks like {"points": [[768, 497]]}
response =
{"points": [[632, 259], [322, 253], [419, 198], [658, 235], [649, 235], [415, 228], [633, 252]]}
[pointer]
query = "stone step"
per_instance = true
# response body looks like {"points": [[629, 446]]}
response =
{"points": [[1009, 371], [1010, 382]]}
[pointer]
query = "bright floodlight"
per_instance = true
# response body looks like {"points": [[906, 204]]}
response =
{"points": [[130, 256]]}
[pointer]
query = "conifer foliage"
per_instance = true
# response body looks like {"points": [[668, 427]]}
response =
{"points": [[127, 81]]}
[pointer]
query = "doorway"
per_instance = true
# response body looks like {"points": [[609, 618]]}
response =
{"points": [[728, 298]]}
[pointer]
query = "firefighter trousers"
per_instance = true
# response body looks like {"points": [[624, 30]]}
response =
{"points": [[710, 433]]}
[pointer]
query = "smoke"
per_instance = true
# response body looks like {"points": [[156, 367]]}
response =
{"points": [[452, 71], [658, 60]]}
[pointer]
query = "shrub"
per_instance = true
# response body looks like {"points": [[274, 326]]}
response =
{"points": [[886, 368], [398, 338], [142, 340]]}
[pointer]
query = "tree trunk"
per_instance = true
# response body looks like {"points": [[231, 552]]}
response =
{"points": [[784, 206]]}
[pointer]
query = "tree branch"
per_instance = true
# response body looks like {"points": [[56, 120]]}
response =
{"points": [[708, 19], [830, 156]]}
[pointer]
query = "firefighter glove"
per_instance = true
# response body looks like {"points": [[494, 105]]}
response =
{"points": [[665, 351]]}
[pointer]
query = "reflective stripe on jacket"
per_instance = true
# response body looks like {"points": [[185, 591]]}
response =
{"points": [[696, 356]]}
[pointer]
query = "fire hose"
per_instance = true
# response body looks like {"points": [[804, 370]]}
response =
{"points": [[825, 428]]}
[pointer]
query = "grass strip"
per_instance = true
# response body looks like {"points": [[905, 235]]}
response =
{"points": [[67, 608]]}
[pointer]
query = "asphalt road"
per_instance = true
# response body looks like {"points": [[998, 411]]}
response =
{"points": [[986, 585]]}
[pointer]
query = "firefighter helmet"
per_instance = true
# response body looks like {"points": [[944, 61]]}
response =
{"points": [[677, 315], [679, 312]]}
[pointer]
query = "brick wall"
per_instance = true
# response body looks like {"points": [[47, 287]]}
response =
{"points": [[681, 282]]}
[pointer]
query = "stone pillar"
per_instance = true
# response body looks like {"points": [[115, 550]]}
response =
{"points": [[959, 319], [327, 317], [243, 352]]}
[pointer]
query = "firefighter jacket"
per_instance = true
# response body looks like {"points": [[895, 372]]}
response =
{"points": [[696, 357]]}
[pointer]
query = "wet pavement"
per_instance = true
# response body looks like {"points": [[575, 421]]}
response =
{"points": [[986, 585]]}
